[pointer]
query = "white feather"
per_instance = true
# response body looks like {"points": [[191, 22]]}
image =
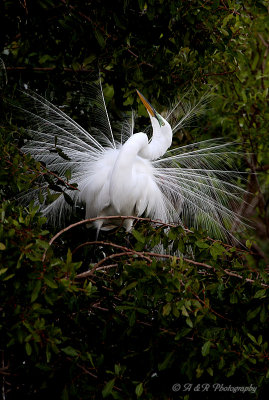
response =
{"points": [[192, 184]]}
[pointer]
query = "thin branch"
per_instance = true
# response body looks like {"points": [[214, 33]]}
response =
{"points": [[145, 255], [220, 73], [97, 265], [101, 242], [158, 222], [157, 255], [228, 272], [107, 267], [47, 171], [204, 303], [133, 54], [47, 69], [3, 377], [89, 220]]}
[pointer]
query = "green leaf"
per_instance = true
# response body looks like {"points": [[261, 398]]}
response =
{"points": [[263, 314], [67, 174], [40, 197], [48, 354], [248, 244], [172, 235], [28, 349], [61, 154], [166, 309], [2, 246], [50, 283], [70, 351], [252, 313], [166, 361], [99, 37], [221, 363], [117, 369], [189, 322], [141, 4], [68, 199], [56, 188], [252, 338], [88, 60], [128, 287], [142, 310], [89, 356], [139, 389], [139, 237], [65, 395], [184, 311], [3, 270], [260, 293], [233, 298], [206, 348], [210, 371], [36, 291], [201, 244], [69, 256], [132, 318], [108, 388], [231, 371], [216, 250], [8, 277]]}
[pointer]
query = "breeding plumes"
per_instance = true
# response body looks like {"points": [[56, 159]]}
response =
{"points": [[129, 174]]}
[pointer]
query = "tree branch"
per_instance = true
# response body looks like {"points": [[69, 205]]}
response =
{"points": [[89, 220]]}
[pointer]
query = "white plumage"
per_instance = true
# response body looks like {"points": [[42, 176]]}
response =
{"points": [[131, 175]]}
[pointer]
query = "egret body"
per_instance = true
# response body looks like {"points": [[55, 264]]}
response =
{"points": [[133, 175]]}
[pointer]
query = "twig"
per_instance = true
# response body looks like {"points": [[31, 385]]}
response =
{"points": [[100, 242], [47, 171], [206, 305], [220, 73], [107, 267], [241, 277], [3, 377], [47, 69], [98, 265], [157, 255], [89, 220], [84, 369], [158, 222], [133, 54], [90, 373]]}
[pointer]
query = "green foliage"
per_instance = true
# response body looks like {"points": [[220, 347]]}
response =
{"points": [[133, 328], [136, 323]]}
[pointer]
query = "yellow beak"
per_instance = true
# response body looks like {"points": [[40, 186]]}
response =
{"points": [[147, 104]]}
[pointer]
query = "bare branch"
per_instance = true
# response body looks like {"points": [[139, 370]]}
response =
{"points": [[89, 220]]}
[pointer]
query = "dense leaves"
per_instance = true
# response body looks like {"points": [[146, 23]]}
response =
{"points": [[140, 324], [111, 318]]}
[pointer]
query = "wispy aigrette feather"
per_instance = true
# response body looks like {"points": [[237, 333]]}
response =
{"points": [[194, 184]]}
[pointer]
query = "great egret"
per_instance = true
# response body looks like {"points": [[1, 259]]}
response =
{"points": [[133, 175]]}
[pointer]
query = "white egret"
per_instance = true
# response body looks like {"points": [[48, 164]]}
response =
{"points": [[132, 175]]}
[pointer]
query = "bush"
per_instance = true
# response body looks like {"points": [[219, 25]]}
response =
{"points": [[112, 318]]}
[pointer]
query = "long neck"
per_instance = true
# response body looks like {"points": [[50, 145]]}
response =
{"points": [[127, 155], [129, 151], [160, 142], [122, 182]]}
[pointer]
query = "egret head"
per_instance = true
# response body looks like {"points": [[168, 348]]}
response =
{"points": [[162, 133], [151, 110]]}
